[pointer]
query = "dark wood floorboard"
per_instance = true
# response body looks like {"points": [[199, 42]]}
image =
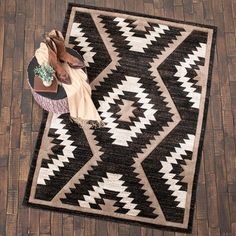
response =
{"points": [[22, 23]]}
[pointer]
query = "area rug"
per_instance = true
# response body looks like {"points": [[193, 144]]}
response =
{"points": [[150, 79]]}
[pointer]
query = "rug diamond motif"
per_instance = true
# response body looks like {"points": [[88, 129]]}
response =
{"points": [[145, 117]]}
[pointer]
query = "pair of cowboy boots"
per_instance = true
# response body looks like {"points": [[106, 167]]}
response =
{"points": [[57, 55]]}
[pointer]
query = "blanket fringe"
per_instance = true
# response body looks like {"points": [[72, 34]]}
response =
{"points": [[94, 123]]}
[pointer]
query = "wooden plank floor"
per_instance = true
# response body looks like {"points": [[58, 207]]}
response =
{"points": [[22, 22]]}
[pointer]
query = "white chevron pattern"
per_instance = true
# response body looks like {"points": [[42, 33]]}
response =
{"points": [[137, 43], [45, 173], [182, 72], [122, 136], [76, 32], [167, 168], [112, 183]]}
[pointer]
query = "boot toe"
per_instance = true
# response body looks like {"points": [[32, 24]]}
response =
{"points": [[76, 64], [64, 78]]}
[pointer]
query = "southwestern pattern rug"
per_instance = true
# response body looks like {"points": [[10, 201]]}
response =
{"points": [[150, 78]]}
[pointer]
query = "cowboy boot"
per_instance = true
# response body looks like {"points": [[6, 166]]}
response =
{"points": [[62, 54], [61, 74]]}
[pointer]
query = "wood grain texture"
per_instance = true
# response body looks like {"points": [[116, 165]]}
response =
{"points": [[23, 23]]}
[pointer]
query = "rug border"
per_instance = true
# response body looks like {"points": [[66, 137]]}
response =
{"points": [[70, 5], [199, 154]]}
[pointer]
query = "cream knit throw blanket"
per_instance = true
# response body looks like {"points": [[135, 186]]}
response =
{"points": [[81, 107]]}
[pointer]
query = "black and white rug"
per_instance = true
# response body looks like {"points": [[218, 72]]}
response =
{"points": [[150, 78]]}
